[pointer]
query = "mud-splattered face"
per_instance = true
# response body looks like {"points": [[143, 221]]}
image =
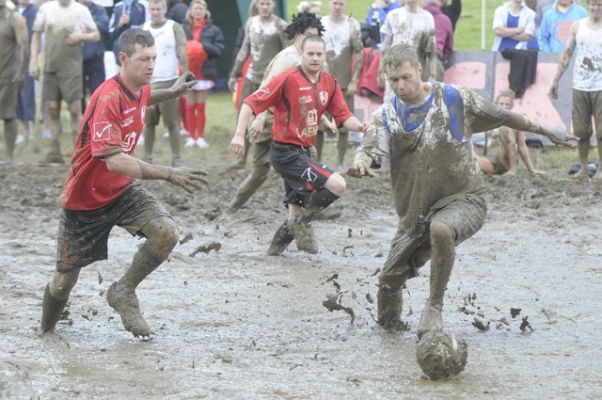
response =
{"points": [[265, 8], [140, 66], [405, 81], [337, 8], [157, 11], [313, 57], [595, 9], [505, 102]]}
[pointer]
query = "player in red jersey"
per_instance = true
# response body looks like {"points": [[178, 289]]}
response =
{"points": [[300, 96], [101, 190]]}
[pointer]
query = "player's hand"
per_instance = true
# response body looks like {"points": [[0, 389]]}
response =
{"points": [[73, 39], [257, 127], [34, 71], [360, 166], [237, 146], [538, 172], [554, 90], [329, 127], [187, 178], [352, 88], [559, 137], [232, 84], [184, 82]]}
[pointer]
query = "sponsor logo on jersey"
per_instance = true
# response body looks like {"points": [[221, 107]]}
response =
{"points": [[102, 131], [129, 110], [305, 99], [128, 142], [305, 88], [127, 122]]}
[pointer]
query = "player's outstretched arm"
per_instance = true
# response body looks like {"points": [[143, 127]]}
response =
{"points": [[565, 59], [186, 178], [523, 123], [237, 145], [361, 165], [184, 82]]}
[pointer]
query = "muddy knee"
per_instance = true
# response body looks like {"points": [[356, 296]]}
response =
{"points": [[162, 234], [62, 283], [441, 233]]}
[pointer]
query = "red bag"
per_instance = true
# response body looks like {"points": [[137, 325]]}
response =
{"points": [[196, 57]]}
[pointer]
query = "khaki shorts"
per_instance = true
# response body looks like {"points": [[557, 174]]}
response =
{"points": [[8, 98], [83, 235], [585, 106], [59, 88], [169, 109], [464, 214]]}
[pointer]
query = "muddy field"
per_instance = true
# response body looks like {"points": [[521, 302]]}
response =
{"points": [[234, 323]]}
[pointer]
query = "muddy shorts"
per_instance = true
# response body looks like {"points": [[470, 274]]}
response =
{"points": [[83, 235], [498, 167], [585, 106], [301, 173], [464, 214], [59, 88], [169, 109], [8, 98]]}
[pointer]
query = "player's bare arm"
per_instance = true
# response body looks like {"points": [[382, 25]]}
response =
{"points": [[22, 41], [186, 178], [557, 135], [358, 52], [237, 145], [34, 50], [565, 59], [77, 38], [181, 46], [523, 152], [241, 57], [184, 82]]}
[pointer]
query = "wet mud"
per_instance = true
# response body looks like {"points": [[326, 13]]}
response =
{"points": [[230, 322]]}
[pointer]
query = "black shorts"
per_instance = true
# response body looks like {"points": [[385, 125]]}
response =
{"points": [[302, 174], [83, 235]]}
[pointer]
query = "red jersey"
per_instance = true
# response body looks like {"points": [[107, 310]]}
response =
{"points": [[299, 104], [112, 124]]}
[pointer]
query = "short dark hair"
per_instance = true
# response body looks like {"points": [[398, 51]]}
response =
{"points": [[312, 38], [133, 36], [396, 56], [303, 21]]}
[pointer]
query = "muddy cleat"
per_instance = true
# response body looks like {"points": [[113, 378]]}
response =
{"points": [[282, 238], [52, 308], [304, 236], [123, 299], [389, 302], [430, 320]]}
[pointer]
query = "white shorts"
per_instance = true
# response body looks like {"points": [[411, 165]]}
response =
{"points": [[203, 85]]}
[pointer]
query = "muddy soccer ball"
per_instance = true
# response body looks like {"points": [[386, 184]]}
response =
{"points": [[441, 354]]}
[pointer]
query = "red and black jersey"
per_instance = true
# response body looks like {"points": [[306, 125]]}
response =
{"points": [[112, 124], [299, 104]]}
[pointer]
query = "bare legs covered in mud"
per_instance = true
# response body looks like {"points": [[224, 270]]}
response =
{"points": [[298, 224], [441, 250], [162, 236]]}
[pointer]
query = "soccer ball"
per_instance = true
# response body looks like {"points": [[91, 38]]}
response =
{"points": [[441, 354]]}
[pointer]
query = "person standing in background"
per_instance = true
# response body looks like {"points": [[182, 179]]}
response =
{"points": [[26, 104], [126, 14]]}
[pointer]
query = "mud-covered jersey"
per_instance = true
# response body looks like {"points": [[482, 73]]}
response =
{"points": [[343, 39], [429, 147], [112, 124], [299, 104]]}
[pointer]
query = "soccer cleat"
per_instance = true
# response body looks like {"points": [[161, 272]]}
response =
{"points": [[304, 235], [123, 299], [52, 308]]}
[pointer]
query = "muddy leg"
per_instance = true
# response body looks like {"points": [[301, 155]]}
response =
{"points": [[583, 146], [282, 238], [442, 261], [319, 144], [248, 187], [342, 144], [149, 142], [162, 236], [11, 129], [56, 295], [598, 174]]}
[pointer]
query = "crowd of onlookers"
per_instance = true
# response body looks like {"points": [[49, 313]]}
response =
{"points": [[67, 43]]}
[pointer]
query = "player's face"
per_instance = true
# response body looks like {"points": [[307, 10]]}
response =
{"points": [[140, 66], [313, 57], [198, 11], [157, 11], [315, 10], [265, 8], [504, 102], [337, 7], [595, 9], [405, 81]]}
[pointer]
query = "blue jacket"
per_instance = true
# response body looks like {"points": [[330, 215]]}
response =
{"points": [[381, 13], [212, 40], [138, 10], [556, 27], [29, 13], [101, 18]]}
